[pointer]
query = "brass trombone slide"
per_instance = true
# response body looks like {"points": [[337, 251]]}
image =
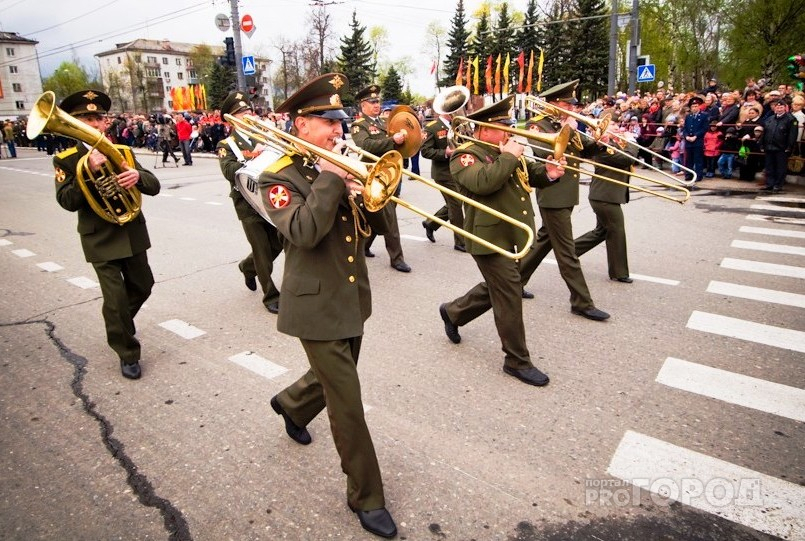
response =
{"points": [[538, 137], [599, 127], [380, 180]]}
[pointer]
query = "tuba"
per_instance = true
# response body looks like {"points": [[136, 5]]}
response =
{"points": [[104, 195]]}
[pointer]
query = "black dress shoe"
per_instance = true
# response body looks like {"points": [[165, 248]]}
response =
{"points": [[299, 434], [450, 329], [428, 231], [401, 266], [527, 294], [273, 307], [377, 521], [368, 253], [251, 282], [624, 279], [591, 313], [531, 375], [131, 370], [460, 248]]}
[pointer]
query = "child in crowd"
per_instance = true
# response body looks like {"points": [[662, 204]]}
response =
{"points": [[712, 149], [729, 149], [675, 149]]}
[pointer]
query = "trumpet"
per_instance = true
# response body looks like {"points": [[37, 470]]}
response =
{"points": [[599, 128], [560, 138], [379, 180]]}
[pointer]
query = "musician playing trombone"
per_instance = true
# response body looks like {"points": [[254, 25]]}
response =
{"points": [[493, 172], [233, 152], [326, 296]]}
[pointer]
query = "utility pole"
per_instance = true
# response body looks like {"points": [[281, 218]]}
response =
{"points": [[613, 49], [238, 47], [634, 48], [285, 71]]}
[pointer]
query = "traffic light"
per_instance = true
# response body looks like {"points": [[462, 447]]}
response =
{"points": [[230, 51]]}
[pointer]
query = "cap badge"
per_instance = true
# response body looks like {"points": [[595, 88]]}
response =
{"points": [[335, 99], [90, 95], [91, 107], [337, 82]]}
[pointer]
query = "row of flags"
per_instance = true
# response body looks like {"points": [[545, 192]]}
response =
{"points": [[188, 98], [469, 74]]}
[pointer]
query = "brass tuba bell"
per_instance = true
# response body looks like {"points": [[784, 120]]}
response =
{"points": [[104, 195]]}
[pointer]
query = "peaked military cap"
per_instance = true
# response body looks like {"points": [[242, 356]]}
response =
{"points": [[371, 92], [236, 102], [562, 92], [86, 102], [695, 99], [500, 112], [320, 97]]}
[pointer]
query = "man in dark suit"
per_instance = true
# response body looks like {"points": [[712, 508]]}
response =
{"points": [[696, 125], [117, 252], [606, 199], [234, 152], [556, 203], [369, 133], [494, 174], [325, 291]]}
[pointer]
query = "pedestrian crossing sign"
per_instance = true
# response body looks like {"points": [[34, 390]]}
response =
{"points": [[645, 74], [248, 65]]}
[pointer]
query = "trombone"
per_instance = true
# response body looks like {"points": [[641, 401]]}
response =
{"points": [[379, 181], [599, 127], [556, 139]]}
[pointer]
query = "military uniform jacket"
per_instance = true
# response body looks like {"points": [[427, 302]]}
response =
{"points": [[563, 194], [325, 286], [697, 125], [434, 147], [609, 192], [102, 240], [780, 133], [370, 135], [490, 178], [230, 164]]}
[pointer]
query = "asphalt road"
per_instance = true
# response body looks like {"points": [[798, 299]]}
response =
{"points": [[693, 388]]}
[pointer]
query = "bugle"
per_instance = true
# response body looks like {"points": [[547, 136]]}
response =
{"points": [[599, 128], [540, 137], [379, 180]]}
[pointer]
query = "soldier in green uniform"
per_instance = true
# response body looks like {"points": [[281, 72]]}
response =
{"points": [[438, 150], [490, 174], [556, 204], [326, 293], [233, 153], [369, 133], [117, 252], [606, 199]]}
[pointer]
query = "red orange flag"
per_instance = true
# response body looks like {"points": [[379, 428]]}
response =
{"points": [[468, 78], [530, 75], [521, 63], [460, 73], [506, 74], [475, 76], [497, 76], [489, 75]]}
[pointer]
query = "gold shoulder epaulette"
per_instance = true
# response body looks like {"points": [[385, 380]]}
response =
{"points": [[464, 145], [358, 121], [431, 123], [280, 164], [65, 153]]}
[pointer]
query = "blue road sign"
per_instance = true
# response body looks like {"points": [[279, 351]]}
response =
{"points": [[248, 65], [645, 74]]}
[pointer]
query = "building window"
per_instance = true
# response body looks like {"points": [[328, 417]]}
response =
{"points": [[168, 89], [151, 60], [16, 87], [119, 60], [9, 51], [152, 72], [189, 62], [12, 69], [167, 76], [178, 61], [192, 74], [165, 60], [20, 105], [180, 76]]}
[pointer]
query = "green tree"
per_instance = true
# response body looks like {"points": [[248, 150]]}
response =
{"points": [[67, 79], [527, 38], [559, 62], [590, 42], [355, 60], [504, 35], [457, 45], [202, 60], [392, 85], [482, 42], [222, 81]]}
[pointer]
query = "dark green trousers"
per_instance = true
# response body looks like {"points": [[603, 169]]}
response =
{"points": [[392, 236], [609, 227], [557, 233], [452, 211], [503, 292], [332, 381], [266, 247], [125, 285]]}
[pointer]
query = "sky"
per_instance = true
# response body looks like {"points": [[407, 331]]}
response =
{"points": [[93, 26]]}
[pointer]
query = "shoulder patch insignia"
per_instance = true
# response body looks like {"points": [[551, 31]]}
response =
{"points": [[467, 160], [60, 175], [278, 196], [355, 129], [69, 152], [280, 164], [222, 152]]}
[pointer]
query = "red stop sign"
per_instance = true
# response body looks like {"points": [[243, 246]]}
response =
{"points": [[247, 23]]}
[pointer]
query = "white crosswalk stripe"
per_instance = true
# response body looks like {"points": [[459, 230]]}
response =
{"points": [[747, 330], [761, 267], [776, 219], [257, 364], [182, 328], [768, 247], [773, 232], [757, 293]]}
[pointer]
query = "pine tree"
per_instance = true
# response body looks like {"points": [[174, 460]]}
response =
{"points": [[456, 45], [355, 60], [222, 81], [527, 39], [503, 34], [590, 48], [392, 86], [482, 41], [559, 62]]}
